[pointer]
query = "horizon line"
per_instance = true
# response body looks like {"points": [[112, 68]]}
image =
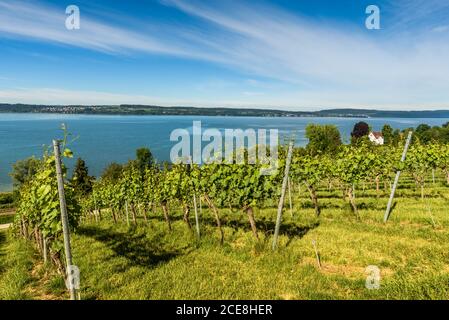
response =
{"points": [[252, 108]]}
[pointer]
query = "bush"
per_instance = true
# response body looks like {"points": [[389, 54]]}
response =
{"points": [[6, 198]]}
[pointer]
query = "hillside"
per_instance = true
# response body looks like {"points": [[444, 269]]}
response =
{"points": [[223, 112]]}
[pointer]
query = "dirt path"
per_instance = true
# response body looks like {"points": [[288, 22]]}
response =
{"points": [[8, 212]]}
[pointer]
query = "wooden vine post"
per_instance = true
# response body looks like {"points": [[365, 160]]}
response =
{"points": [[196, 216], [317, 254], [290, 196], [44, 249], [396, 179], [64, 218], [281, 201], [95, 206], [127, 212]]}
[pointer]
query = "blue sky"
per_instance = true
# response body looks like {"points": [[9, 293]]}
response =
{"points": [[286, 54]]}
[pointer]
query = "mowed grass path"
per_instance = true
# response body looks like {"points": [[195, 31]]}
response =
{"points": [[16, 262], [148, 262]]}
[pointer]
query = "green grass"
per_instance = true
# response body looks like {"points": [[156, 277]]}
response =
{"points": [[149, 262], [16, 262], [6, 200], [6, 218]]}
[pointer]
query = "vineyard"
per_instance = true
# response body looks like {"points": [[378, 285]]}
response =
{"points": [[205, 231]]}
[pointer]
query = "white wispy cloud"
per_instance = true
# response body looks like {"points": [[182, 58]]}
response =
{"points": [[69, 97], [413, 15], [441, 29], [330, 59], [327, 64], [40, 22], [52, 96], [314, 100]]}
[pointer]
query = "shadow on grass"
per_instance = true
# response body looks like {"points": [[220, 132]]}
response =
{"points": [[136, 248], [268, 226], [378, 204], [2, 238], [241, 222], [393, 206], [6, 218]]}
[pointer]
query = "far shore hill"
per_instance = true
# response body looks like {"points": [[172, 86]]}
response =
{"points": [[222, 112]]}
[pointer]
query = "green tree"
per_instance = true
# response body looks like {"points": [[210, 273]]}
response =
{"points": [[144, 159], [388, 133], [113, 172], [24, 170], [444, 134], [425, 134], [422, 128], [361, 129], [81, 181], [322, 138], [396, 137]]}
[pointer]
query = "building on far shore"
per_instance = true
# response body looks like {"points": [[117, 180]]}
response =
{"points": [[376, 137]]}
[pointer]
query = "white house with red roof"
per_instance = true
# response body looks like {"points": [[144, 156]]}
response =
{"points": [[376, 137]]}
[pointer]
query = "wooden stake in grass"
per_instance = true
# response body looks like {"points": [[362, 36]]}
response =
{"points": [[114, 216], [290, 196], [95, 206], [166, 215], [134, 214], [351, 196], [127, 213], [217, 217], [250, 212], [64, 217], [197, 222], [143, 212], [396, 179], [44, 242], [281, 201]]}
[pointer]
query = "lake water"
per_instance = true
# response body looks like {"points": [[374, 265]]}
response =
{"points": [[105, 139]]}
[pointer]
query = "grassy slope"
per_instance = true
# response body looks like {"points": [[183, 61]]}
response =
{"points": [[148, 262], [412, 252], [16, 262], [6, 201], [22, 273], [6, 218]]}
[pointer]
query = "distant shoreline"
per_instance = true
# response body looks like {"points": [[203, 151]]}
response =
{"points": [[148, 110]]}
